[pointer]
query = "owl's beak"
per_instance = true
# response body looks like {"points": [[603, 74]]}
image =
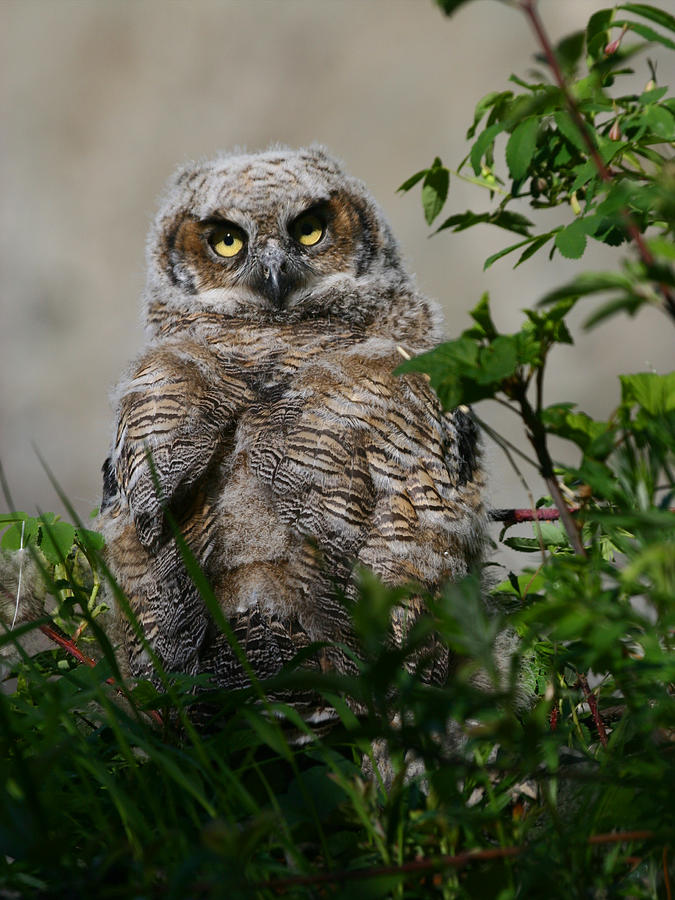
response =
{"points": [[274, 280]]}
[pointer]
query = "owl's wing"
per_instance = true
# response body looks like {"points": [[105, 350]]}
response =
{"points": [[172, 414]]}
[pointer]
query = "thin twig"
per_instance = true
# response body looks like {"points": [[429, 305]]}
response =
{"points": [[517, 515], [593, 706], [529, 8], [441, 862], [81, 657], [666, 876]]}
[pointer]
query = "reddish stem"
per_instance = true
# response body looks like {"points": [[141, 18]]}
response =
{"points": [[81, 657], [425, 865], [69, 647], [514, 516], [529, 8], [593, 706]]}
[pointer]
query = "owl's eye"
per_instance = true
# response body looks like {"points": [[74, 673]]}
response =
{"points": [[228, 240], [308, 229]]}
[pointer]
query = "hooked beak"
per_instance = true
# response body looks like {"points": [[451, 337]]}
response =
{"points": [[274, 280]]}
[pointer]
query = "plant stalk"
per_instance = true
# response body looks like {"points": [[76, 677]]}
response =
{"points": [[529, 8]]}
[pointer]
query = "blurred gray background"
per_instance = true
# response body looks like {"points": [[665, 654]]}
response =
{"points": [[100, 100]]}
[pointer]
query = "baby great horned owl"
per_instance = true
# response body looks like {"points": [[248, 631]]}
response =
{"points": [[284, 447]]}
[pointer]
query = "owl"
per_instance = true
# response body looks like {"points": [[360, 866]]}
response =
{"points": [[265, 422]]}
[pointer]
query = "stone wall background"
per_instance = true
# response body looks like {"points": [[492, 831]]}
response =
{"points": [[100, 99]]}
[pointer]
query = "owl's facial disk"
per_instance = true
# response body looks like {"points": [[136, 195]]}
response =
{"points": [[273, 261]]}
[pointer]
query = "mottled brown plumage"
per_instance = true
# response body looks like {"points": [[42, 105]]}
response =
{"points": [[283, 444]]}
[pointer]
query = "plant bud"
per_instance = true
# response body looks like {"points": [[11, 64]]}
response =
{"points": [[614, 45], [651, 84], [574, 203], [615, 131]]}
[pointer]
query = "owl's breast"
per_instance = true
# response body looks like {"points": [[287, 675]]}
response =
{"points": [[341, 463]]}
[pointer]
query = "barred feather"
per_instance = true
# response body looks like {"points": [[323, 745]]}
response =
{"points": [[277, 436]]}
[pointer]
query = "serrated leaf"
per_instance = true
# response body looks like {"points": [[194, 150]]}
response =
{"points": [[629, 304], [662, 247], [495, 256], [521, 146], [654, 393], [481, 314], [485, 139], [570, 130], [660, 122], [597, 32], [585, 173], [652, 96], [56, 541], [413, 180], [571, 241], [461, 221], [568, 51], [577, 427], [588, 283], [647, 33], [536, 244], [511, 221], [482, 107], [435, 190], [20, 533], [90, 539], [523, 544], [651, 12], [499, 360]]}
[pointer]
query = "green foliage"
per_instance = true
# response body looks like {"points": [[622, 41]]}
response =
{"points": [[548, 775]]}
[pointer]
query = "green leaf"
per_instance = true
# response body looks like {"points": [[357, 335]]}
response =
{"points": [[499, 360], [577, 427], [482, 107], [646, 32], [461, 221], [23, 530], [521, 146], [585, 173], [660, 122], [537, 244], [654, 393], [510, 221], [450, 6], [571, 241], [568, 51], [597, 32], [57, 539], [482, 316], [588, 283], [495, 256], [629, 303], [552, 536], [412, 181], [652, 96], [662, 247], [570, 130], [651, 12], [485, 139], [435, 190], [90, 539]]}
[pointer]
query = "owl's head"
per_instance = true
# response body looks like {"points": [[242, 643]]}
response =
{"points": [[273, 236]]}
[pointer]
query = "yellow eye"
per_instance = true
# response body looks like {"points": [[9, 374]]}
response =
{"points": [[308, 230], [228, 241]]}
